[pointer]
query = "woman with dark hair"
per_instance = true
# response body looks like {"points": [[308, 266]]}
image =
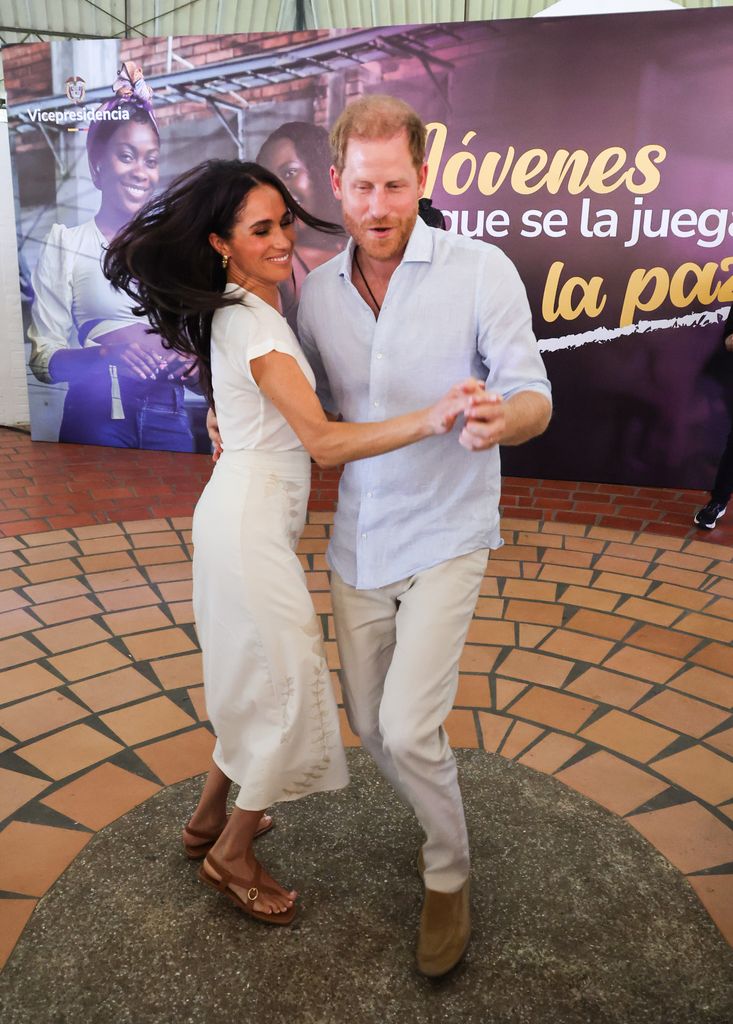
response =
{"points": [[299, 153], [124, 389], [203, 261]]}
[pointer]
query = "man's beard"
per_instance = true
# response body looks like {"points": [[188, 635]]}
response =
{"points": [[375, 248]]}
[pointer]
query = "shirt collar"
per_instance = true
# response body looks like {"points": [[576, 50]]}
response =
{"points": [[419, 248]]}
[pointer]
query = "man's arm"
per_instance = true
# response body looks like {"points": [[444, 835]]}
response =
{"points": [[517, 404]]}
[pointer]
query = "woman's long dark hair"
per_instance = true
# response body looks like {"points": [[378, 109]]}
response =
{"points": [[164, 261]]}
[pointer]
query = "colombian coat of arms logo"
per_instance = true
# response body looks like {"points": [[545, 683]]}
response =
{"points": [[75, 89]]}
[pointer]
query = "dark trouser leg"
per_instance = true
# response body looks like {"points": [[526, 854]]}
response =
{"points": [[723, 486]]}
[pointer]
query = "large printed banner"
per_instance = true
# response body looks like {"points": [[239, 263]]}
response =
{"points": [[596, 151]]}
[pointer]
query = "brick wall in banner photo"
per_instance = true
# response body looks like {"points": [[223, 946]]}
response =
{"points": [[202, 50], [31, 78]]}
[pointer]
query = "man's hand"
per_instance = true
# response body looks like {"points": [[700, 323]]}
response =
{"points": [[443, 414], [485, 421], [212, 429], [492, 420]]}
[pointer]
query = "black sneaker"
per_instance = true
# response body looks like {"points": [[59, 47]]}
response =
{"points": [[708, 516]]}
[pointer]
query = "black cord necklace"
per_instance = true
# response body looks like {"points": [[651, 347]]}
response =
{"points": [[366, 283]]}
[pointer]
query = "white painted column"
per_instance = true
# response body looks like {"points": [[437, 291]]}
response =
{"points": [[13, 389]]}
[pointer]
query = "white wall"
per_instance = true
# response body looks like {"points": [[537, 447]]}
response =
{"points": [[13, 390]]}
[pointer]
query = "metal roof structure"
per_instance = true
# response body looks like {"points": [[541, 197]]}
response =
{"points": [[34, 20]]}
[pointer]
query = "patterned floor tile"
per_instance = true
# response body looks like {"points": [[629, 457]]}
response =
{"points": [[688, 835], [493, 729], [16, 789], [33, 856], [551, 753], [706, 684], [41, 714], [147, 720], [684, 714], [112, 689], [14, 915], [557, 710], [628, 735], [716, 893], [536, 668], [100, 796], [699, 771], [611, 782], [68, 751], [16, 683], [179, 757]]}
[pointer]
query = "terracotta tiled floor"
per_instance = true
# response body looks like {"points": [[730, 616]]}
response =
{"points": [[600, 653]]}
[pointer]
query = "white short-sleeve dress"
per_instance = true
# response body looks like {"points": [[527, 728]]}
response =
{"points": [[267, 685]]}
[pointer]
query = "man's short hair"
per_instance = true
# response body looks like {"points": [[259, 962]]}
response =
{"points": [[378, 117]]}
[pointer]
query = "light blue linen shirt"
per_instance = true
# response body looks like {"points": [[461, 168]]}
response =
{"points": [[455, 308]]}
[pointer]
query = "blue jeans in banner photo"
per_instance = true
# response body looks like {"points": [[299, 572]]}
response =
{"points": [[155, 415]]}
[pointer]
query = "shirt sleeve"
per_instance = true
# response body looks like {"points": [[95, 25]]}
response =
{"points": [[51, 323], [506, 341], [307, 338], [249, 335]]}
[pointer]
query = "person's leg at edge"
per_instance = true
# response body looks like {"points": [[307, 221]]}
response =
{"points": [[210, 815], [723, 486]]}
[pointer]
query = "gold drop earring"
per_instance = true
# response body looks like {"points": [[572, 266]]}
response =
{"points": [[224, 260]]}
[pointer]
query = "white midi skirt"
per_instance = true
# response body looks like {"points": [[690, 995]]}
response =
{"points": [[267, 685]]}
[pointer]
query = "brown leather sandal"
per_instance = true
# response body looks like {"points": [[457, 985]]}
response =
{"points": [[253, 886], [197, 851]]}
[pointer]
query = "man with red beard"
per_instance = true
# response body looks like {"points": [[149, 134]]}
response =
{"points": [[403, 311]]}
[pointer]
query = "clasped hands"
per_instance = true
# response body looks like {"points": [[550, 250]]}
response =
{"points": [[484, 412], [141, 356]]}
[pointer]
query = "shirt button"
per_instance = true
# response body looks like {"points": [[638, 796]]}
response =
{"points": [[376, 403], [379, 355], [363, 536], [369, 494]]}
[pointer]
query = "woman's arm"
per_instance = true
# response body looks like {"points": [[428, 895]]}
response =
{"points": [[51, 322], [280, 379]]}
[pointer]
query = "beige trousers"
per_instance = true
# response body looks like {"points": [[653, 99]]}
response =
{"points": [[399, 647]]}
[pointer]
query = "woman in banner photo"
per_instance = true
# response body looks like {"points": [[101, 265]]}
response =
{"points": [[204, 260], [299, 153], [124, 388]]}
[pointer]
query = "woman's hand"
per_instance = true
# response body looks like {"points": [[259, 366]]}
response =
{"points": [[212, 429], [444, 413], [141, 355], [135, 353], [729, 342], [176, 367]]}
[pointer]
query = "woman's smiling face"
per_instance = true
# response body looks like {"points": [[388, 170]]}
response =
{"points": [[128, 171], [260, 247]]}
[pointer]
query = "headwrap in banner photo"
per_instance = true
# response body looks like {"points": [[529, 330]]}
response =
{"points": [[594, 150]]}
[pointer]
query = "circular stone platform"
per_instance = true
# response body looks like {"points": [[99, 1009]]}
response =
{"points": [[577, 920]]}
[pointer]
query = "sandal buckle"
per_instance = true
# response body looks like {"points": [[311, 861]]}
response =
{"points": [[252, 894]]}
